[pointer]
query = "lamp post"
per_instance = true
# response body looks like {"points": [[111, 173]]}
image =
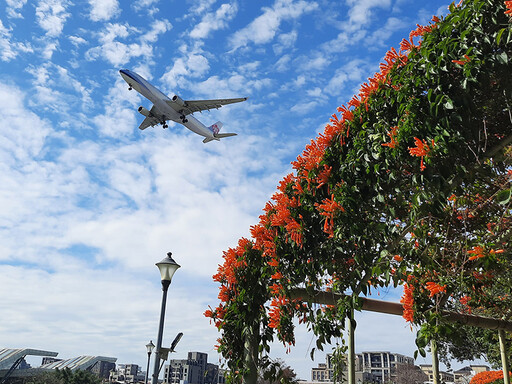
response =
{"points": [[149, 347], [167, 268]]}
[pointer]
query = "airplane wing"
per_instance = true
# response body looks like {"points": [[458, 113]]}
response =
{"points": [[191, 106], [150, 120]]}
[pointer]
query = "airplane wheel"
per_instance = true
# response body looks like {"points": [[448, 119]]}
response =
{"points": [[185, 121], [165, 126]]}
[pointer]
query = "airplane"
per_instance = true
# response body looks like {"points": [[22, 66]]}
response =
{"points": [[175, 108]]}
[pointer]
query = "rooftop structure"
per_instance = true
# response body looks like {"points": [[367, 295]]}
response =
{"points": [[11, 360], [9, 356]]}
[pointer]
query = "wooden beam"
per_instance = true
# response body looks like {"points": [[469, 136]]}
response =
{"points": [[380, 306]]}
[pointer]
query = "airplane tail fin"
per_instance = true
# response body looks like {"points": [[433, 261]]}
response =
{"points": [[215, 128]]}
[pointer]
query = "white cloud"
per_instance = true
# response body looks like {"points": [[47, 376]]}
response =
{"points": [[56, 89], [316, 63], [13, 8], [264, 28], [119, 117], [361, 10], [48, 49], [52, 15], [214, 21], [379, 37], [194, 65], [118, 53], [9, 49], [102, 10], [158, 27], [145, 5], [200, 6], [304, 108], [349, 75], [285, 42], [282, 64], [234, 86], [77, 40], [24, 135]]}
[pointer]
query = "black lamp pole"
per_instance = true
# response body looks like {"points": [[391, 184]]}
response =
{"points": [[149, 347], [167, 268]]}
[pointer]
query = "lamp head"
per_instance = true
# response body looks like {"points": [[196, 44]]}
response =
{"points": [[167, 268], [150, 346]]}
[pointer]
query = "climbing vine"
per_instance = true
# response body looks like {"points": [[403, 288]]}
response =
{"points": [[409, 184]]}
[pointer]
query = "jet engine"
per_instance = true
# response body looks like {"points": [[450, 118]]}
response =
{"points": [[144, 111], [178, 100]]}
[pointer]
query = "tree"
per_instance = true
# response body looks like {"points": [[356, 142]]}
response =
{"points": [[408, 185], [410, 374], [469, 343], [64, 376], [277, 372]]}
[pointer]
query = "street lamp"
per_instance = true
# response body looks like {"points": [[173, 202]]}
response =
{"points": [[149, 347], [167, 268]]}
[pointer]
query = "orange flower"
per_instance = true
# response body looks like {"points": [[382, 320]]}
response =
{"points": [[208, 313], [464, 300], [508, 4], [392, 136], [435, 288], [466, 59], [407, 301], [477, 252], [398, 258], [421, 150], [323, 176], [486, 377], [346, 114], [273, 262], [328, 208], [276, 276]]}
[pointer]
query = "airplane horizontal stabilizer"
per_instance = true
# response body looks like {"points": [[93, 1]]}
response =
{"points": [[222, 135], [218, 136]]}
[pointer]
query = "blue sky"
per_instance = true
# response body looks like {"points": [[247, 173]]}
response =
{"points": [[88, 203]]}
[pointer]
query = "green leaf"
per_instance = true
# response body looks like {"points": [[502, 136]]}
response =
{"points": [[503, 197], [502, 58], [500, 33], [448, 104]]}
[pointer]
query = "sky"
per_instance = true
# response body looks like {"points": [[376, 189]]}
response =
{"points": [[89, 204]]}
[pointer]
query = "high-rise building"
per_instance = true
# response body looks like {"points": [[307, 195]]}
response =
{"points": [[193, 370], [382, 364], [325, 371], [127, 373], [445, 377], [376, 367]]}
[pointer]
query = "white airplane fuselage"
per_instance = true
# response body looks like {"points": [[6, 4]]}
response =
{"points": [[161, 103]]}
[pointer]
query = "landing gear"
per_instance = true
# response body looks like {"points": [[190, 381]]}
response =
{"points": [[164, 125], [130, 87], [183, 119]]}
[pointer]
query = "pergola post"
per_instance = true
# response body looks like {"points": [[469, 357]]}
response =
{"points": [[435, 362], [251, 354], [504, 358], [351, 349]]}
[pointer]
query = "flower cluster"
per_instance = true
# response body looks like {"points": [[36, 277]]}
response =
{"points": [[486, 377]]}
